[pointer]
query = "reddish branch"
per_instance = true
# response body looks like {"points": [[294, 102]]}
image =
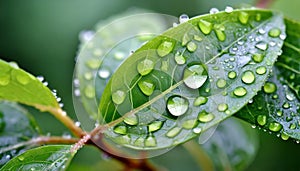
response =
{"points": [[264, 3]]}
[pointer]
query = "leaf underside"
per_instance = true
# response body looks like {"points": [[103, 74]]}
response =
{"points": [[278, 111], [229, 47]]}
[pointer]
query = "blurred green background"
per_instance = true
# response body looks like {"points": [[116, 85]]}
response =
{"points": [[42, 37]]}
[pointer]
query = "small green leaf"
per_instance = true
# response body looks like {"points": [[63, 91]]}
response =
{"points": [[50, 158], [277, 107], [207, 72], [17, 127], [19, 86]]}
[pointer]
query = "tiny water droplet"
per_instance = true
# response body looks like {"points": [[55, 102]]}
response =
{"points": [[40, 78], [240, 91], [88, 75], [279, 113], [221, 83], [189, 124], [205, 117], [232, 75], [261, 120], [4, 80], [258, 17], [200, 101], [104, 73], [261, 31], [180, 59], [275, 126], [77, 124], [173, 132], [146, 86], [93, 63], [269, 87], [120, 130], [228, 9], [248, 77], [89, 91], [118, 97], [21, 158], [293, 126], [261, 70], [195, 76], [205, 26], [257, 57], [274, 32], [197, 38], [165, 48], [282, 36], [97, 52], [183, 18], [119, 55], [145, 67], [286, 105], [222, 107], [191, 46], [154, 126], [243, 17], [177, 105], [77, 92], [197, 130], [213, 10]]}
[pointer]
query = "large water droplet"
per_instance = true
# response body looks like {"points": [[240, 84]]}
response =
{"points": [[261, 70], [150, 142], [104, 73], [173, 132], [154, 126], [262, 46], [221, 83], [248, 77], [131, 120], [243, 17], [200, 101], [274, 32], [275, 126], [4, 80], [195, 76], [228, 9], [118, 97], [240, 91], [269, 87], [284, 136], [261, 120], [205, 26], [146, 86], [205, 117], [258, 57], [177, 105], [89, 91], [165, 48], [120, 130], [222, 107], [145, 66], [191, 46]]}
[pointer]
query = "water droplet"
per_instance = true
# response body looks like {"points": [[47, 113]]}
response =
{"points": [[195, 76], [21, 158], [205, 26], [104, 73], [120, 130], [89, 91], [221, 83], [286, 105], [240, 91], [177, 105], [262, 45], [228, 9], [269, 87], [261, 120], [88, 75], [197, 130], [40, 78], [258, 57], [205, 117], [293, 126], [131, 120], [93, 63], [150, 142], [232, 75], [14, 65], [119, 55], [275, 126], [279, 113], [77, 124], [197, 38], [97, 52], [139, 142], [248, 77], [261, 31], [213, 10], [189, 124], [173, 132], [274, 32], [185, 39], [118, 97], [222, 107], [275, 96], [183, 18], [243, 17], [4, 80], [22, 78], [7, 157], [258, 17], [191, 46], [146, 86], [77, 92], [180, 59], [154, 126], [145, 67], [200, 101], [284, 136], [292, 76], [282, 36], [261, 70], [165, 48], [220, 35]]}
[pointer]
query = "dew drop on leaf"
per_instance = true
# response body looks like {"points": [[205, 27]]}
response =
{"points": [[269, 87], [232, 75], [118, 97], [154, 126], [4, 80], [145, 67], [201, 100], [262, 46], [286, 105], [261, 70], [205, 26], [275, 126], [261, 120], [191, 46], [222, 107], [220, 35], [195, 76], [274, 32], [243, 17], [177, 105], [131, 120], [197, 130], [240, 91], [183, 18], [89, 91], [189, 124], [284, 136], [173, 132], [221, 83], [248, 77], [146, 86], [165, 48], [180, 60], [120, 130], [258, 57], [150, 142], [205, 117], [104, 73], [228, 9]]}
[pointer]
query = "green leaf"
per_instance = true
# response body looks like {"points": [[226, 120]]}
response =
{"points": [[50, 158], [277, 107], [202, 71], [233, 146], [104, 49], [19, 86], [17, 127]]}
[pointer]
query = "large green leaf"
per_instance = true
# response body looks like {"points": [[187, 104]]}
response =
{"points": [[20, 86], [46, 158], [190, 78], [17, 127], [277, 107]]}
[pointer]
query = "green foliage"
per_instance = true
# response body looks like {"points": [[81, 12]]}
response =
{"points": [[17, 128], [50, 158]]}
